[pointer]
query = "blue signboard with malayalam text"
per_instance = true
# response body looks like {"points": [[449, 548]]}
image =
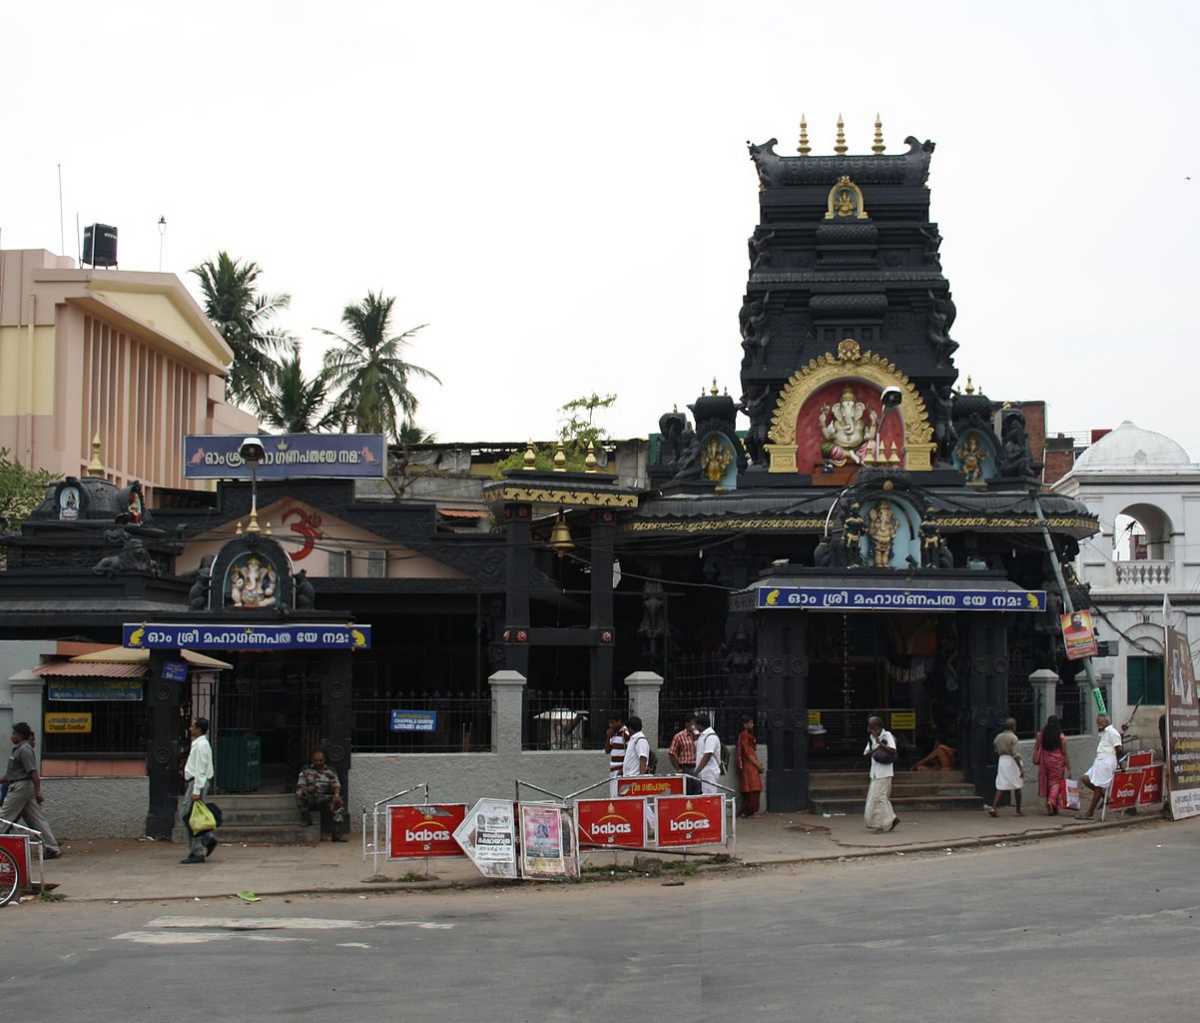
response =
{"points": [[414, 721], [867, 598], [175, 671], [232, 636], [287, 456]]}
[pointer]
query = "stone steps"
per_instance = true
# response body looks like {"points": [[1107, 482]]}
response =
{"points": [[254, 819], [846, 791], [900, 803]]}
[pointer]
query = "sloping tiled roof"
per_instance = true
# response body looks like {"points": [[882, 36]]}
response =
{"points": [[74, 669]]}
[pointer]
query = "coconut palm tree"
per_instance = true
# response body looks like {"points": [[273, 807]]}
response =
{"points": [[369, 371], [410, 433], [240, 312], [295, 404]]}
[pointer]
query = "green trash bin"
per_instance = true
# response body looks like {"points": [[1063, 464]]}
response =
{"points": [[239, 762]]}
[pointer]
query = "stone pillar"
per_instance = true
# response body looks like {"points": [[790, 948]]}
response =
{"points": [[1044, 683], [518, 569], [644, 688], [26, 694], [603, 523], [162, 752], [508, 710], [987, 693]]}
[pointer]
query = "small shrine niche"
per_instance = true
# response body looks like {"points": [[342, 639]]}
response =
{"points": [[845, 201], [250, 573]]}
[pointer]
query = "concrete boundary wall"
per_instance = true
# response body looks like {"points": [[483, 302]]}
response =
{"points": [[81, 808]]}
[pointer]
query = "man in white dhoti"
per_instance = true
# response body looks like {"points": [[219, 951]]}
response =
{"points": [[881, 748], [1108, 753], [1010, 771]]}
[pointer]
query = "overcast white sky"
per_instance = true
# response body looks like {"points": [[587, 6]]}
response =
{"points": [[562, 189]]}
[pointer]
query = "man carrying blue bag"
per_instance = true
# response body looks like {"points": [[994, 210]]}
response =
{"points": [[197, 777]]}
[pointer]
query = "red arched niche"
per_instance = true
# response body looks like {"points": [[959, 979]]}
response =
{"points": [[808, 426]]}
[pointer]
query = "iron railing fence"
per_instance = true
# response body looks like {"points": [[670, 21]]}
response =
{"points": [[116, 728], [725, 708], [422, 723], [563, 719]]}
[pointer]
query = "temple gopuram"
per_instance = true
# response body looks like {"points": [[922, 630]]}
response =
{"points": [[873, 540]]}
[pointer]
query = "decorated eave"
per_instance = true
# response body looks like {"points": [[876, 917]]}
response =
{"points": [[559, 488], [791, 512], [776, 170]]}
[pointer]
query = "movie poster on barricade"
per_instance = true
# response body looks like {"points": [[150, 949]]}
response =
{"points": [[1183, 728], [488, 836], [612, 823], [690, 820], [546, 846], [418, 831], [1079, 635]]}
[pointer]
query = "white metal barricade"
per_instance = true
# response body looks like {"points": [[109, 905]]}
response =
{"points": [[372, 846]]}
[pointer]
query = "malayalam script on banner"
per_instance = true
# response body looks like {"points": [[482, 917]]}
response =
{"points": [[488, 836], [1183, 728]]}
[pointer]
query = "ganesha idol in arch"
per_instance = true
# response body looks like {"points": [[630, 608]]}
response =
{"points": [[848, 429]]}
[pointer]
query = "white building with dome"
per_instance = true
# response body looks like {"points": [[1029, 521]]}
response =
{"points": [[1145, 490]]}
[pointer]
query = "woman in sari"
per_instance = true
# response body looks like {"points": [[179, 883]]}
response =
{"points": [[750, 770], [1054, 768]]}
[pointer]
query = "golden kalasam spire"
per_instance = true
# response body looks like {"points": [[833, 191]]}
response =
{"points": [[804, 148], [589, 462], [560, 458], [840, 145], [96, 465], [878, 147], [714, 387], [970, 388], [529, 460]]}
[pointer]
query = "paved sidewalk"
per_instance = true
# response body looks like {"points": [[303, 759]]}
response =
{"points": [[126, 869]]}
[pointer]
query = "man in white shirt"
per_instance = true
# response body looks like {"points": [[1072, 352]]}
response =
{"points": [[1099, 776], [879, 815], [197, 776], [637, 751], [708, 756]]}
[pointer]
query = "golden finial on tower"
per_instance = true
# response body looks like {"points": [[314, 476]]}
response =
{"points": [[529, 461], [840, 146], [238, 530], [714, 390], [878, 147], [970, 388], [560, 458], [804, 148], [96, 465], [252, 525], [589, 461]]}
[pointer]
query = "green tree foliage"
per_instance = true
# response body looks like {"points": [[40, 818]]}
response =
{"points": [[410, 433], [240, 313], [368, 369], [577, 429], [296, 404], [21, 490]]}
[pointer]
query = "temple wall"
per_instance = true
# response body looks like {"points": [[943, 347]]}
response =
{"points": [[83, 808]]}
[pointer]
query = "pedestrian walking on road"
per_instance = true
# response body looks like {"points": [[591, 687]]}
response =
{"points": [[708, 756], [24, 794], [615, 741], [1109, 752], [197, 777], [750, 768], [1053, 764], [637, 751], [1010, 771], [881, 748], [682, 752]]}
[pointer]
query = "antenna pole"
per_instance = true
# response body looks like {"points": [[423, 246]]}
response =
{"points": [[62, 234]]}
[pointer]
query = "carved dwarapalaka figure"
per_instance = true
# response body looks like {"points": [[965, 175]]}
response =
{"points": [[882, 528], [848, 427]]}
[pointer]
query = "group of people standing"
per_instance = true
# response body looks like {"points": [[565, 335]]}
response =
{"points": [[696, 752]]}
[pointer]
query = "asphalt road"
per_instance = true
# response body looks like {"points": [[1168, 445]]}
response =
{"points": [[1091, 929]]}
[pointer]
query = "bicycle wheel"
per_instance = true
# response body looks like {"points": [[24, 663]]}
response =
{"points": [[9, 877]]}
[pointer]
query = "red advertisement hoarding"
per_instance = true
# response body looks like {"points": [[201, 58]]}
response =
{"points": [[1143, 759], [613, 823], [416, 831], [1152, 785], [690, 820], [18, 845], [651, 785], [1126, 787]]}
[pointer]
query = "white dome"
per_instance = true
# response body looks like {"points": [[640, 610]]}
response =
{"points": [[1129, 448]]}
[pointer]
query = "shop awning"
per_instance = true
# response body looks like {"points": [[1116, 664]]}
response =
{"points": [[73, 669], [121, 655]]}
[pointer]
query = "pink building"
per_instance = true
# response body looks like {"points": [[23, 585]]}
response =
{"points": [[129, 357]]}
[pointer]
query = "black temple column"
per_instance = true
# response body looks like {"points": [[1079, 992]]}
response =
{"points": [[336, 673], [603, 531], [519, 567], [782, 669], [162, 747], [987, 696]]}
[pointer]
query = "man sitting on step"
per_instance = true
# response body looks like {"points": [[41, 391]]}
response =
{"points": [[318, 788]]}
